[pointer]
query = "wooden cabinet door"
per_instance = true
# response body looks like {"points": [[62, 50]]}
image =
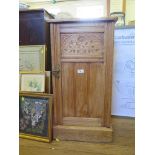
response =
{"points": [[79, 82]]}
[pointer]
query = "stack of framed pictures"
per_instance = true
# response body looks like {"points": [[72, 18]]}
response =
{"points": [[35, 98], [32, 69]]}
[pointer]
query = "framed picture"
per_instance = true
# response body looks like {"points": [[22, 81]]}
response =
{"points": [[32, 58], [33, 82], [35, 116]]}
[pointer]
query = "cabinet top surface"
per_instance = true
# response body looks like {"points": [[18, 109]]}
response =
{"points": [[76, 20], [34, 11]]}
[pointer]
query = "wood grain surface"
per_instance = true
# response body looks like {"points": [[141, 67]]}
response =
{"points": [[84, 52], [83, 133], [68, 86], [123, 143], [82, 121]]}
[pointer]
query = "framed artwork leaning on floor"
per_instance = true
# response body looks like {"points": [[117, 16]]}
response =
{"points": [[35, 116], [33, 82], [32, 58]]}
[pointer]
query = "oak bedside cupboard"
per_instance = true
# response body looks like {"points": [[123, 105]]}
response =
{"points": [[82, 60]]}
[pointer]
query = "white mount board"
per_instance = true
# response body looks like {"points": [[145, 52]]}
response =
{"points": [[123, 101]]}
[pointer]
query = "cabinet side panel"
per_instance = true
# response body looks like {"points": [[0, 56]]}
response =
{"points": [[108, 74], [55, 48]]}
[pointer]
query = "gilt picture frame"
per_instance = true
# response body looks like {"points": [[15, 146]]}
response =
{"points": [[35, 116], [48, 80], [33, 82], [32, 58]]}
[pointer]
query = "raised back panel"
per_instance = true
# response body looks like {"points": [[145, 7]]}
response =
{"points": [[82, 63], [83, 93]]}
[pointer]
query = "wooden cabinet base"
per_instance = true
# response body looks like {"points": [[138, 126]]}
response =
{"points": [[80, 133]]}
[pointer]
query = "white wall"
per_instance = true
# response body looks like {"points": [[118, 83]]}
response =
{"points": [[71, 6], [68, 6]]}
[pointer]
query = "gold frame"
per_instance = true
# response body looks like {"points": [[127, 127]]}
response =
{"points": [[34, 137], [48, 81], [35, 74], [42, 54]]}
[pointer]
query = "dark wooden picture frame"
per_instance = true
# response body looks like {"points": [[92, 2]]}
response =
{"points": [[35, 116]]}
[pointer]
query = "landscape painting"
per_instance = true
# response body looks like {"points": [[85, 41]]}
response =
{"points": [[33, 82], [32, 58]]}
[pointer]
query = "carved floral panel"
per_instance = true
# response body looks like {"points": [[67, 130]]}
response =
{"points": [[82, 45]]}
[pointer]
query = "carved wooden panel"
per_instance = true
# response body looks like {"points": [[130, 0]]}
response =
{"points": [[82, 45]]}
